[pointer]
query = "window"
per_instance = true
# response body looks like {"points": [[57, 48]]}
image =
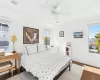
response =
{"points": [[4, 36], [47, 35]]}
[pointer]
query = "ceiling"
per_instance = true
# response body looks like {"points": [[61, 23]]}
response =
{"points": [[41, 9], [72, 7]]}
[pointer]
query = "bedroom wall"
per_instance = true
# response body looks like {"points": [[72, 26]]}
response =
{"points": [[79, 51], [18, 20]]}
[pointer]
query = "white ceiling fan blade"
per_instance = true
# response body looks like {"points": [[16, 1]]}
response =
{"points": [[58, 3]]}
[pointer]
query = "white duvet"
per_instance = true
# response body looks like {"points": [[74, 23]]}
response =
{"points": [[45, 65]]}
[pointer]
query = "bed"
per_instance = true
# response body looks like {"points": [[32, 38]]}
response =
{"points": [[45, 65]]}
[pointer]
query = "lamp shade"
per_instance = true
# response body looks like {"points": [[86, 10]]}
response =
{"points": [[14, 38], [46, 38]]}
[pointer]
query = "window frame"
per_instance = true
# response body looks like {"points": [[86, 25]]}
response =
{"points": [[2, 21]]}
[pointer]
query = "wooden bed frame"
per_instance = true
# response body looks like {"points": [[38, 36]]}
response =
{"points": [[56, 77]]}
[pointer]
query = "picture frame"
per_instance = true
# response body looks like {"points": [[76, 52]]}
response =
{"points": [[78, 34], [61, 34], [30, 35]]}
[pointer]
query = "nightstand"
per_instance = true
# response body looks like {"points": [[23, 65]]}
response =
{"points": [[15, 57]]}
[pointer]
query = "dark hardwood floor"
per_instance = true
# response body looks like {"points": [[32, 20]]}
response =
{"points": [[8, 75], [5, 76]]}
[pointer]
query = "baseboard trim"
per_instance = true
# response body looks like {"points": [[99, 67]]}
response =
{"points": [[82, 64]]}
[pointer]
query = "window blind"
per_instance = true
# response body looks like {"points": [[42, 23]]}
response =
{"points": [[4, 36]]}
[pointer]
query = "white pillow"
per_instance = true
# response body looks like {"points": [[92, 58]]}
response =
{"points": [[41, 48], [25, 51], [31, 49]]}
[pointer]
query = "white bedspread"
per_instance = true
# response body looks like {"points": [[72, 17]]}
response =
{"points": [[45, 65]]}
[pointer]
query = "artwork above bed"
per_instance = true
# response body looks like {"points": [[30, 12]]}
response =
{"points": [[30, 35]]}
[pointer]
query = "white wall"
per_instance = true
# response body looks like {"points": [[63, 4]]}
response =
{"points": [[80, 50], [17, 21]]}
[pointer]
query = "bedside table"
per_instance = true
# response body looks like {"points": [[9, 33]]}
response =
{"points": [[15, 57]]}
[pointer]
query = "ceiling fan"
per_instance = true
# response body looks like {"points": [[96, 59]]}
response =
{"points": [[14, 2], [56, 11]]}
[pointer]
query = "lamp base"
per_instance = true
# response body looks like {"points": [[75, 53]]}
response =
{"points": [[46, 46], [14, 52]]}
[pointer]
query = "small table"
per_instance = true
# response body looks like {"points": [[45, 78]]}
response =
{"points": [[16, 57], [90, 73]]}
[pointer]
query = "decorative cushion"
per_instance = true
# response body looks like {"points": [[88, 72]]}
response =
{"points": [[31, 49], [41, 48]]}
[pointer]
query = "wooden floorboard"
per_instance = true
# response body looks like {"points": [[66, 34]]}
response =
{"points": [[6, 75]]}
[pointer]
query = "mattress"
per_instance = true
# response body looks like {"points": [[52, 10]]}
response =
{"points": [[45, 65]]}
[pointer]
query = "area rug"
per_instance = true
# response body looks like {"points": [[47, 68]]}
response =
{"points": [[74, 74]]}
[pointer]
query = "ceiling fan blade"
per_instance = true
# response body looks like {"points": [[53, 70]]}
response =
{"points": [[58, 3]]}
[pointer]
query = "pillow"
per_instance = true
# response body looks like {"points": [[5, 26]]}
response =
{"points": [[52, 49], [31, 49], [41, 48], [25, 50]]}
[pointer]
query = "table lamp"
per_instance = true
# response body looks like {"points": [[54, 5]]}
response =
{"points": [[14, 39], [47, 41]]}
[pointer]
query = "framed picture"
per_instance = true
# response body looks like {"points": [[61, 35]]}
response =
{"points": [[94, 38], [30, 35], [61, 34], [78, 34]]}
